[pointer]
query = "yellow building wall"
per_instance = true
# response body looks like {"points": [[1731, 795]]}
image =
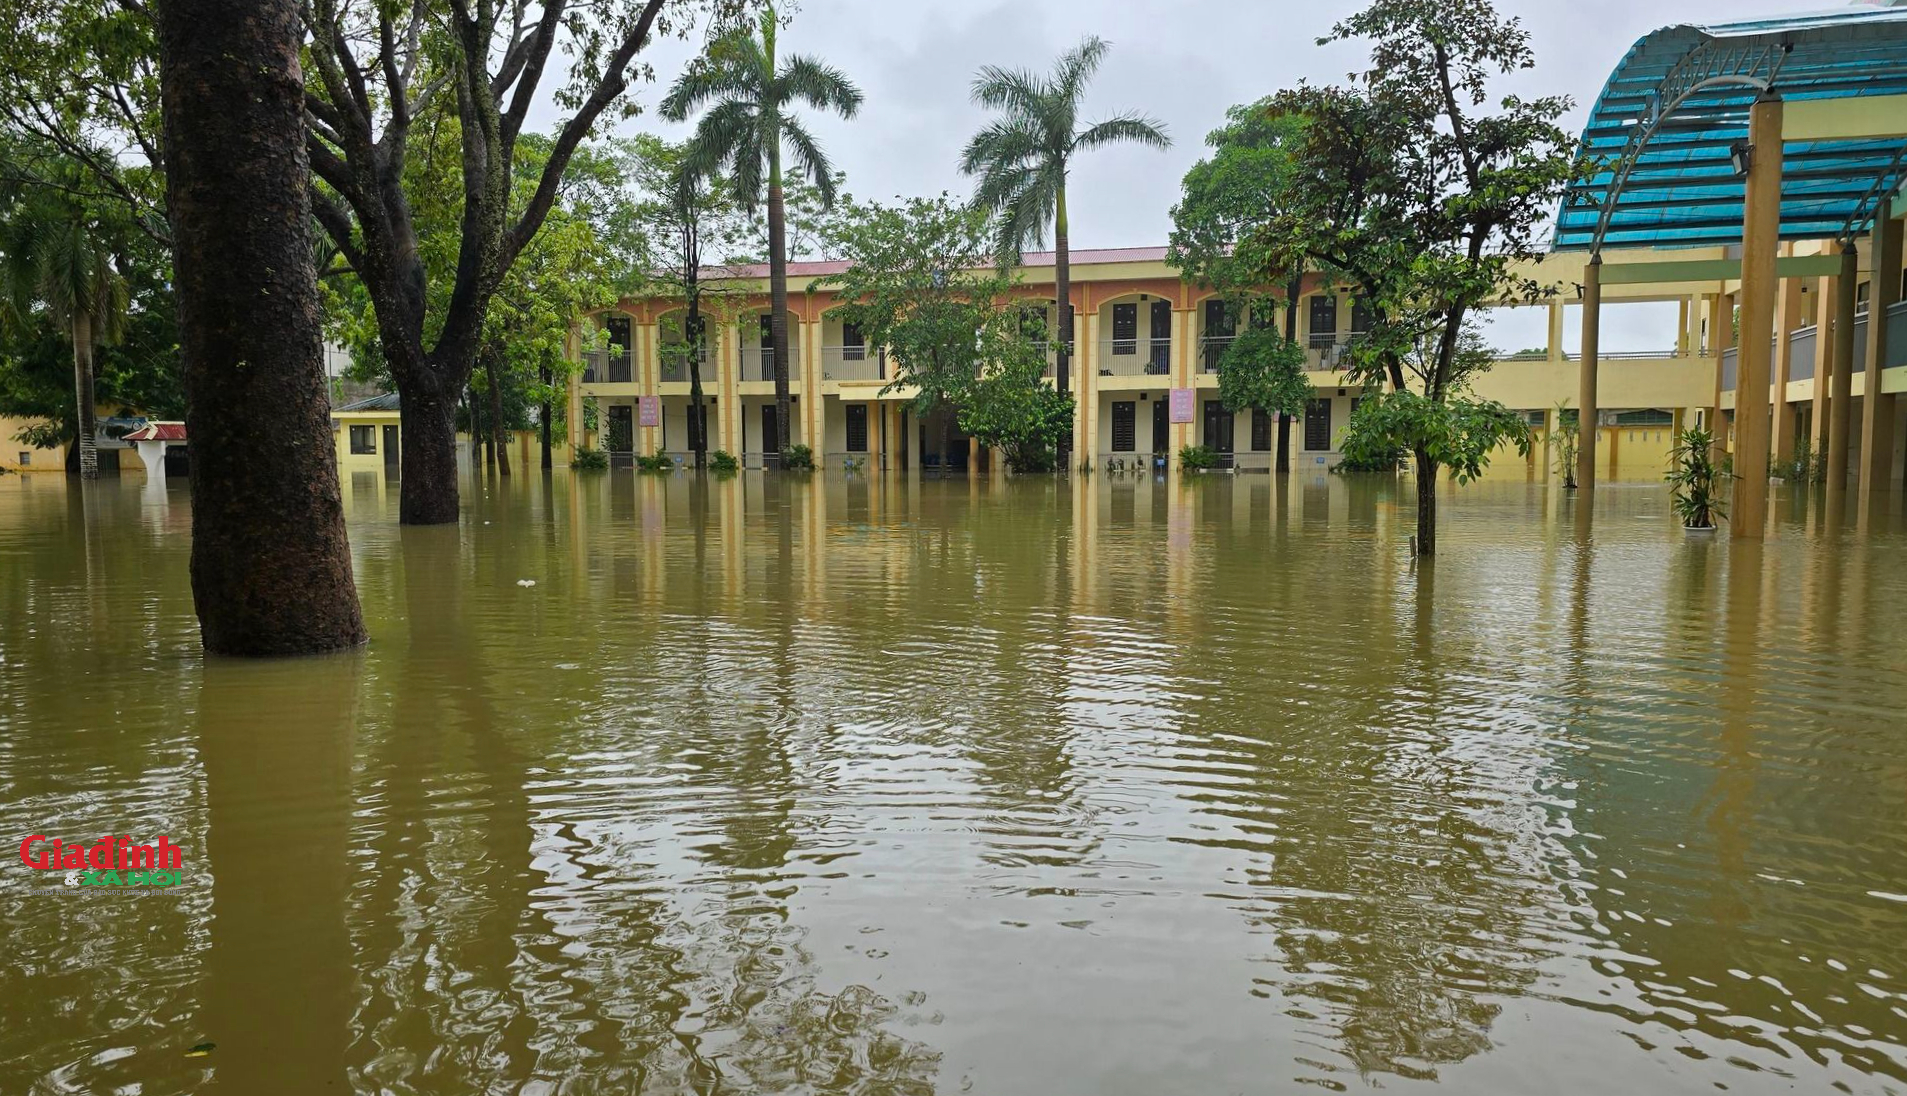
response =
{"points": [[18, 456]]}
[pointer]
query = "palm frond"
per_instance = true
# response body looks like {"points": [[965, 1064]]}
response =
{"points": [[1124, 129], [809, 159], [1011, 90], [1003, 142], [820, 85], [729, 138], [1076, 67], [732, 69]]}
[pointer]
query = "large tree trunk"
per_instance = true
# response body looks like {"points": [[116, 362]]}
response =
{"points": [[778, 300], [698, 437], [428, 494], [1426, 503], [271, 566], [87, 440], [1293, 290], [543, 418], [1063, 295]]}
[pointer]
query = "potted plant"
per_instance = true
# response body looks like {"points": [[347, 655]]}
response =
{"points": [[1694, 479], [1567, 439]]}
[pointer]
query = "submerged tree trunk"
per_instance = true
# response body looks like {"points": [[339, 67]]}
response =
{"points": [[1293, 290], [86, 441], [1426, 503], [1062, 294], [778, 300], [698, 434], [543, 418], [946, 440], [499, 438], [429, 458], [271, 566]]}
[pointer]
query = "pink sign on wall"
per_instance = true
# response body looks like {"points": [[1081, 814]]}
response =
{"points": [[1181, 405], [650, 412]]}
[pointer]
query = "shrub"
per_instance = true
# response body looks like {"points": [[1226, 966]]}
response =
{"points": [[1197, 458], [797, 458], [589, 460], [1694, 480], [723, 463], [660, 461]]}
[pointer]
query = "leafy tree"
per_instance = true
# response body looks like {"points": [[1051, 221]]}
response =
{"points": [[687, 216], [1224, 198], [921, 282], [750, 94], [61, 266], [1011, 408], [1023, 158], [1263, 370], [1423, 194]]}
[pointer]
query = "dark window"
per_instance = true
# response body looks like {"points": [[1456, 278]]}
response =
{"points": [[622, 429], [1124, 440], [363, 439], [767, 332], [1161, 362], [1219, 328], [857, 428], [1218, 428], [853, 345], [1360, 315], [1125, 328], [1324, 320], [619, 350], [1161, 427], [1260, 431], [1317, 426]]}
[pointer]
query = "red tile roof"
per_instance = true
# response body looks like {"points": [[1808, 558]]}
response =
{"points": [[1031, 258], [158, 431]]}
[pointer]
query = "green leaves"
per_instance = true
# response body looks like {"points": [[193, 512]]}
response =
{"points": [[1459, 433], [1262, 370]]}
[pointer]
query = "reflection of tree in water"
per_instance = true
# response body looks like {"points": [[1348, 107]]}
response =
{"points": [[1390, 863]]}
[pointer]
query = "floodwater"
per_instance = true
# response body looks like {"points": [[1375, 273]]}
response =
{"points": [[1000, 787]]}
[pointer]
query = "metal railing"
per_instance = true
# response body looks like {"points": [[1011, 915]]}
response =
{"points": [[607, 367], [758, 363], [1210, 349], [1134, 357], [851, 363], [674, 366]]}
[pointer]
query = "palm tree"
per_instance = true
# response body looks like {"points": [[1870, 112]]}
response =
{"points": [[57, 259], [749, 122], [1023, 156]]}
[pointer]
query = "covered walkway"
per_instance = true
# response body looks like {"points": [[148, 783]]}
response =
{"points": [[1785, 142]]}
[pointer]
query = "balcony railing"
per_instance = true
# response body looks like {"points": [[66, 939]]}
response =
{"points": [[851, 363], [758, 363], [607, 367], [674, 367], [1210, 349], [1135, 357]]}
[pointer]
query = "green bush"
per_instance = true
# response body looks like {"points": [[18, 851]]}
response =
{"points": [[723, 463], [797, 458], [1197, 458], [1695, 484], [660, 461], [589, 460]]}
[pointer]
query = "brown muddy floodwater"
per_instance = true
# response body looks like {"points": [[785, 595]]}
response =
{"points": [[1005, 788]]}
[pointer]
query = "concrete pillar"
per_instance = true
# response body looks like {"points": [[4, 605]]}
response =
{"points": [[1841, 405], [1824, 304], [812, 413], [1556, 331], [728, 405], [1761, 235], [648, 375], [1086, 387], [1877, 407], [573, 424], [1185, 367], [1721, 340], [1586, 393], [1790, 312], [876, 431]]}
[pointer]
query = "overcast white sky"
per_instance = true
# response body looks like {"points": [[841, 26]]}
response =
{"points": [[1181, 61]]}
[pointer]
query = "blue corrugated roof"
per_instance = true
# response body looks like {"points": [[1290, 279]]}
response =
{"points": [[1662, 130]]}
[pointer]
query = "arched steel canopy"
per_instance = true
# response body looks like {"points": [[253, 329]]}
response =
{"points": [[1662, 133]]}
